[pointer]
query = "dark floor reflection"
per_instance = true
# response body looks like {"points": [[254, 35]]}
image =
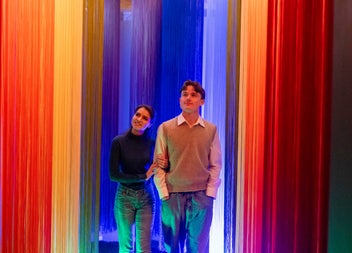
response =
{"points": [[113, 247]]}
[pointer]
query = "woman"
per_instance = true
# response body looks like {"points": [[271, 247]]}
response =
{"points": [[131, 166]]}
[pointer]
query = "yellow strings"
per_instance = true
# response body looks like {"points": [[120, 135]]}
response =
{"points": [[252, 81], [67, 125]]}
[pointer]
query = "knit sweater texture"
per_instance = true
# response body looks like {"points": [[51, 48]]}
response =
{"points": [[188, 151], [130, 157]]}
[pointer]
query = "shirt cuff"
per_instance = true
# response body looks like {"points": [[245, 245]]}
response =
{"points": [[163, 193], [211, 192]]}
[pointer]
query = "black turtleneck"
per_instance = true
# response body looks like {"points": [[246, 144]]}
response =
{"points": [[130, 157]]}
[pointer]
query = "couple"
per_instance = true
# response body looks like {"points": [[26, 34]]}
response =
{"points": [[186, 169]]}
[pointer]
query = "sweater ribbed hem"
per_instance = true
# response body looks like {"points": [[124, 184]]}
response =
{"points": [[190, 188]]}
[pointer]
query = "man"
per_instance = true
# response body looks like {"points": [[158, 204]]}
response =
{"points": [[189, 185]]}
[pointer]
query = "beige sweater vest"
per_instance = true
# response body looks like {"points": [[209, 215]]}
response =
{"points": [[188, 150]]}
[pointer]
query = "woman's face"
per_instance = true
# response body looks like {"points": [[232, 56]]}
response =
{"points": [[140, 121]]}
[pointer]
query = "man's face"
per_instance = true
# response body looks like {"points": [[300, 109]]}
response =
{"points": [[190, 100]]}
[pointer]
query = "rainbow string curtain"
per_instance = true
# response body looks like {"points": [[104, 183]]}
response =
{"points": [[276, 131], [284, 129], [26, 126], [41, 45]]}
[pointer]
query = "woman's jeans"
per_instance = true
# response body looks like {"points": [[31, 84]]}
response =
{"points": [[186, 220], [134, 208]]}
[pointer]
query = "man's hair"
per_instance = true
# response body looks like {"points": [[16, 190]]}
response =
{"points": [[196, 85]]}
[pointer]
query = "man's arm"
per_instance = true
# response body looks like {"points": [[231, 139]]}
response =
{"points": [[160, 152], [214, 167]]}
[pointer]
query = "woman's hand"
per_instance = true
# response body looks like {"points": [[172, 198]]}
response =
{"points": [[150, 172], [162, 162]]}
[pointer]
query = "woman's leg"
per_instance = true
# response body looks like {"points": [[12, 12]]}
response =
{"points": [[144, 221], [124, 211]]}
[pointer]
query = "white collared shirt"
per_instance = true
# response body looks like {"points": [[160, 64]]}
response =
{"points": [[181, 119]]}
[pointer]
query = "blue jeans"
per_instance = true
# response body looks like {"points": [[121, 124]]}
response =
{"points": [[134, 209], [186, 219]]}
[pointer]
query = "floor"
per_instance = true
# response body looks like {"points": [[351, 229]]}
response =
{"points": [[113, 247], [107, 247]]}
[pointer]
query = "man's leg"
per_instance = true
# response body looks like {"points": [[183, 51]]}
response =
{"points": [[172, 214], [199, 216]]}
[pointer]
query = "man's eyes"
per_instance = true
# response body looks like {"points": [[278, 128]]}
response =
{"points": [[192, 94]]}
